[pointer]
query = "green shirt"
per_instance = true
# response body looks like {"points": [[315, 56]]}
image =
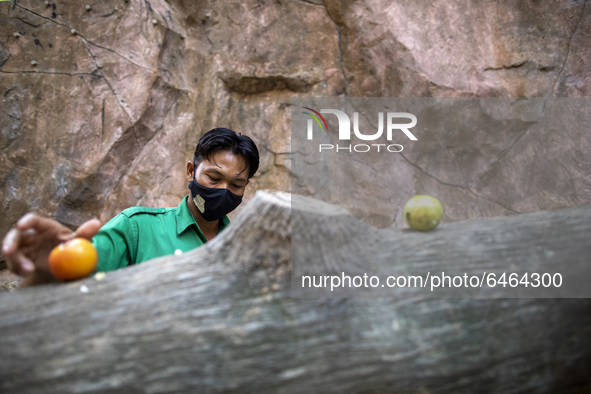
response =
{"points": [[139, 234]]}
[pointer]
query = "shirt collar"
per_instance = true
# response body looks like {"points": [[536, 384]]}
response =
{"points": [[184, 218]]}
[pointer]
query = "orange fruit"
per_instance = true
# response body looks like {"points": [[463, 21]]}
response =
{"points": [[74, 259]]}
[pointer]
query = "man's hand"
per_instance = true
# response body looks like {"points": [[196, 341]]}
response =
{"points": [[27, 246]]}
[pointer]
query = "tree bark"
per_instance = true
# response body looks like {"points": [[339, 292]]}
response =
{"points": [[221, 319]]}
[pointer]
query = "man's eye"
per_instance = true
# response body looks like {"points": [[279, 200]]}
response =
{"points": [[213, 179]]}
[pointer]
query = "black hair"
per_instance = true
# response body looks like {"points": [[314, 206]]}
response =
{"points": [[223, 139]]}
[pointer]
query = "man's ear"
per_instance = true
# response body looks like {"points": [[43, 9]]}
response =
{"points": [[190, 170]]}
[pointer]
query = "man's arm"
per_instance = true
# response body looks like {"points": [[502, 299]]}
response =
{"points": [[116, 243], [27, 246]]}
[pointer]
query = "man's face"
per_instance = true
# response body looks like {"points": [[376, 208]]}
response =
{"points": [[223, 170]]}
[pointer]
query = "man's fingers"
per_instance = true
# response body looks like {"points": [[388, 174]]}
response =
{"points": [[26, 266], [38, 223], [16, 261], [20, 264], [10, 242], [26, 221], [88, 229]]}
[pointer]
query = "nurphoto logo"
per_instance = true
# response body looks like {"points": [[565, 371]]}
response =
{"points": [[395, 123]]}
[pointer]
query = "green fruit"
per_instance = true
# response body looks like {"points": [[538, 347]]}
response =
{"points": [[423, 212]]}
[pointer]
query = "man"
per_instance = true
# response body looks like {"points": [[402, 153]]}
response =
{"points": [[223, 163]]}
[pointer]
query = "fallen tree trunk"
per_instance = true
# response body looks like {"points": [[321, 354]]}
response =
{"points": [[221, 319]]}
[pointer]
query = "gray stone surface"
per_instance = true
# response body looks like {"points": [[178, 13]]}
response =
{"points": [[221, 319]]}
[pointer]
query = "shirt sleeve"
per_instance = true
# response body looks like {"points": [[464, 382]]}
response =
{"points": [[116, 243]]}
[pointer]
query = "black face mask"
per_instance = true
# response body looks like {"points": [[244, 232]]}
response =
{"points": [[213, 204]]}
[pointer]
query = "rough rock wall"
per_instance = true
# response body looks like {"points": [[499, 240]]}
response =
{"points": [[102, 105]]}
